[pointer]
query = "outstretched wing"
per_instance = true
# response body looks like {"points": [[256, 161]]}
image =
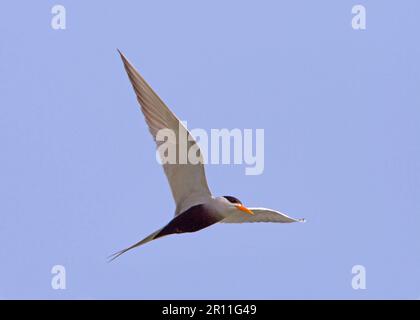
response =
{"points": [[187, 181], [260, 215]]}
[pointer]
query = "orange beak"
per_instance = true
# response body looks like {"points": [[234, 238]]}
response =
{"points": [[243, 208]]}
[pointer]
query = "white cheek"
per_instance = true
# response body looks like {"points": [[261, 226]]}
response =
{"points": [[224, 207]]}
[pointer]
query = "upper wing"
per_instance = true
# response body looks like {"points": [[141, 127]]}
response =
{"points": [[260, 215], [187, 181]]}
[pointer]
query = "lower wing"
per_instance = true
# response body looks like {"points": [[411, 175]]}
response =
{"points": [[260, 215]]}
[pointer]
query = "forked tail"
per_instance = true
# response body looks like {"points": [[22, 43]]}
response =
{"points": [[145, 240]]}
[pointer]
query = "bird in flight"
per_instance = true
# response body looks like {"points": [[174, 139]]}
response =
{"points": [[196, 207]]}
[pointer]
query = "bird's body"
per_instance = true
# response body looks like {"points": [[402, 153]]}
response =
{"points": [[194, 219], [196, 207]]}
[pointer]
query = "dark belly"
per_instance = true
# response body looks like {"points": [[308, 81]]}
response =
{"points": [[194, 219]]}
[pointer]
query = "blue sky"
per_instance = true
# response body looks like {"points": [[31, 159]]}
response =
{"points": [[340, 109]]}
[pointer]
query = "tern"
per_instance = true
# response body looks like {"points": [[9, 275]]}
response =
{"points": [[196, 207]]}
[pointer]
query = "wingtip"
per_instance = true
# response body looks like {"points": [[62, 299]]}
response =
{"points": [[121, 54]]}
